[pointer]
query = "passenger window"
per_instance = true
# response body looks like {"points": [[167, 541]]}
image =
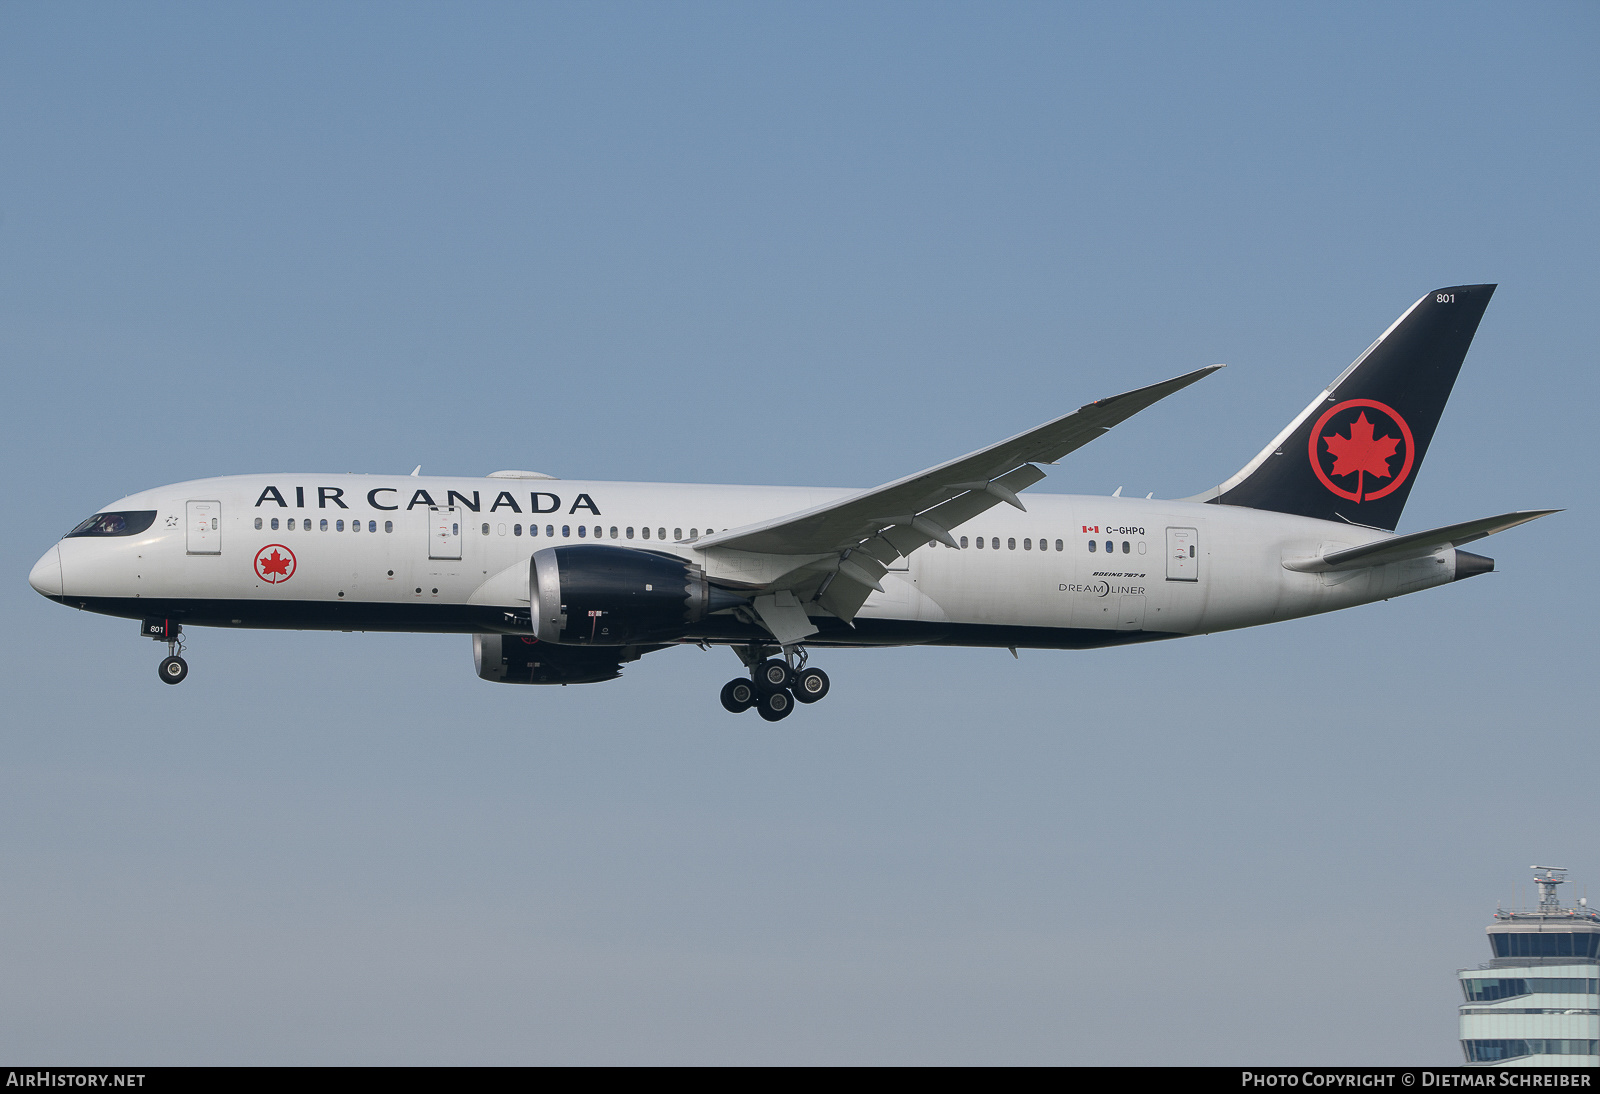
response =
{"points": [[979, 543], [1126, 547], [388, 526], [324, 524], [1191, 550], [661, 533], [694, 533], [644, 532], [1027, 545], [550, 530], [1011, 543], [630, 533], [583, 530], [500, 529], [1093, 547], [258, 524], [963, 541], [372, 526], [485, 529], [677, 533], [516, 529], [995, 543], [1109, 547], [1059, 547], [596, 531], [613, 532], [291, 524], [455, 529]]}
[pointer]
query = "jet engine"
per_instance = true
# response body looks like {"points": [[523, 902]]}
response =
{"points": [[515, 659], [599, 595]]}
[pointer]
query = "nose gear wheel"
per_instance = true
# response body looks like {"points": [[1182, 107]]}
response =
{"points": [[173, 668]]}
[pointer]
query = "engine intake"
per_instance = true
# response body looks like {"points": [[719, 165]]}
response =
{"points": [[598, 595]]}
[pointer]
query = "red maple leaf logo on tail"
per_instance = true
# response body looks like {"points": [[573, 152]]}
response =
{"points": [[1361, 454]]}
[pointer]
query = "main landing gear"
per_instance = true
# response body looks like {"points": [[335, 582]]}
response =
{"points": [[173, 668], [776, 684]]}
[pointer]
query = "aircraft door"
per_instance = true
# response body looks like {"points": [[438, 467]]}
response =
{"points": [[444, 532], [1183, 554], [205, 527]]}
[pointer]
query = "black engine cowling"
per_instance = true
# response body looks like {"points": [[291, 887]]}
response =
{"points": [[515, 659], [598, 595]]}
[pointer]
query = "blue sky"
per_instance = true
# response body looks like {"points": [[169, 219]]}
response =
{"points": [[819, 244]]}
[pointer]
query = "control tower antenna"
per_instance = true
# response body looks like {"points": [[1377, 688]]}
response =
{"points": [[1549, 902]]}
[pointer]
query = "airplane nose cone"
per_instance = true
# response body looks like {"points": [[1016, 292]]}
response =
{"points": [[46, 573]]}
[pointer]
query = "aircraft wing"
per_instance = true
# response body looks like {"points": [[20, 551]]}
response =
{"points": [[866, 531]]}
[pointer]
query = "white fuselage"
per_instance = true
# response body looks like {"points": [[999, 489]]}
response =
{"points": [[364, 553]]}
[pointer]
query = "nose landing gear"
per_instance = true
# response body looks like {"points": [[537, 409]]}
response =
{"points": [[776, 684], [173, 668]]}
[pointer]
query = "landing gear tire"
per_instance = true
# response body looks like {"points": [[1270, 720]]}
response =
{"points": [[775, 706], [173, 670], [773, 675], [810, 685], [738, 696]]}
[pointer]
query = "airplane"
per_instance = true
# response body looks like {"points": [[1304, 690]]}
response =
{"points": [[564, 582]]}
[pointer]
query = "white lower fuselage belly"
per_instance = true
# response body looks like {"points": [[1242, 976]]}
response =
{"points": [[1156, 568]]}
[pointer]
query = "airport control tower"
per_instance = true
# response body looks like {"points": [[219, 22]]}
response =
{"points": [[1537, 1003]]}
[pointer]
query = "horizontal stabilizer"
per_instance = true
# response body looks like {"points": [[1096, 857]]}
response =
{"points": [[1416, 545]]}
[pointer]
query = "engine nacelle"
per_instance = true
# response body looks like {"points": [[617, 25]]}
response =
{"points": [[598, 595], [514, 659]]}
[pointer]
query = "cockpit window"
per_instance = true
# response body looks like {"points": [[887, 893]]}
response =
{"points": [[115, 524]]}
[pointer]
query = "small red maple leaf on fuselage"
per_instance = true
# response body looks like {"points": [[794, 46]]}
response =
{"points": [[277, 564], [1360, 452]]}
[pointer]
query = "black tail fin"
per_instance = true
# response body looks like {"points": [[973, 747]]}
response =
{"points": [[1353, 453]]}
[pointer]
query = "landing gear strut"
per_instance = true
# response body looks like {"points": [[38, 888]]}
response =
{"points": [[776, 684], [173, 668]]}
